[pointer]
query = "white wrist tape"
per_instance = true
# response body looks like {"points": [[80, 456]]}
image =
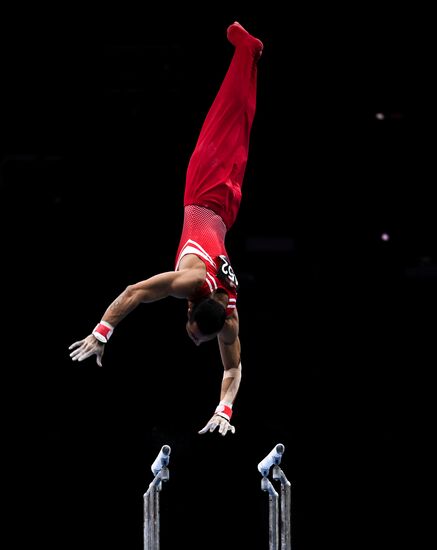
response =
{"points": [[224, 409], [103, 331]]}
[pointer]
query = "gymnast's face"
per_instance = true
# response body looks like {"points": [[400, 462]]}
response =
{"points": [[195, 335]]}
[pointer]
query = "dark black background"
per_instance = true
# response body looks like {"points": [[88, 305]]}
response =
{"points": [[99, 116]]}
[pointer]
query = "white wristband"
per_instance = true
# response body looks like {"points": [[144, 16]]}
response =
{"points": [[103, 331], [224, 409]]}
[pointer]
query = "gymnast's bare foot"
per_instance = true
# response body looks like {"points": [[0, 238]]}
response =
{"points": [[238, 35]]}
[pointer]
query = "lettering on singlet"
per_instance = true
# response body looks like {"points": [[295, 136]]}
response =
{"points": [[225, 272]]}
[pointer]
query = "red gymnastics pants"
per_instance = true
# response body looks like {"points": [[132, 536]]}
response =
{"points": [[216, 169]]}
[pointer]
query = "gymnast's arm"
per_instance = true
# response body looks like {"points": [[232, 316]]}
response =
{"points": [[230, 352], [178, 284]]}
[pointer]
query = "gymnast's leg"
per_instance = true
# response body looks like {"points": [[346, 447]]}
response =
{"points": [[216, 168]]}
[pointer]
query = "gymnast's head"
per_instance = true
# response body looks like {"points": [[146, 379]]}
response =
{"points": [[205, 319]]}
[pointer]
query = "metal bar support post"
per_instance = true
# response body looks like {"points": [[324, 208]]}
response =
{"points": [[151, 500], [279, 527]]}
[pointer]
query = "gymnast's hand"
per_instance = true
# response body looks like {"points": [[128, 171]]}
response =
{"points": [[86, 348], [219, 422]]}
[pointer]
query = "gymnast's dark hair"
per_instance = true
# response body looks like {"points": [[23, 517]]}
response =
{"points": [[209, 315]]}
